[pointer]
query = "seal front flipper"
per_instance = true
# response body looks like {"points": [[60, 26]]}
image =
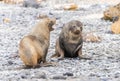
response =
{"points": [[59, 52]]}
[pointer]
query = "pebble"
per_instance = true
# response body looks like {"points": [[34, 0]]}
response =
{"points": [[68, 74], [59, 77]]}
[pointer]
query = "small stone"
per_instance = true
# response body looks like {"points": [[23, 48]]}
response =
{"points": [[59, 77], [6, 20], [50, 13], [43, 77], [23, 77], [40, 75], [68, 74], [116, 76], [71, 6], [10, 62], [31, 3], [41, 16]]}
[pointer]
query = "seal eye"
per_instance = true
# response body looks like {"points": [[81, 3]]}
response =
{"points": [[73, 26]]}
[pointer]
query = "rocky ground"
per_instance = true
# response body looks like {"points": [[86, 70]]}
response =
{"points": [[105, 63]]}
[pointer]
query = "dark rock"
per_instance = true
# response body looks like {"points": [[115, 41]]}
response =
{"points": [[31, 3], [59, 77], [68, 74], [109, 32], [50, 13], [10, 62], [117, 75], [23, 77], [42, 76]]}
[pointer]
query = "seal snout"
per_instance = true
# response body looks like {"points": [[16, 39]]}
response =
{"points": [[77, 32]]}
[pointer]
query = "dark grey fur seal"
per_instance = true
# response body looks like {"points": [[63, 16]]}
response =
{"points": [[70, 41]]}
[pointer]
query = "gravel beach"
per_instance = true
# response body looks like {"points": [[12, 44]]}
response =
{"points": [[105, 62]]}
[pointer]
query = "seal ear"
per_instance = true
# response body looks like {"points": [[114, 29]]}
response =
{"points": [[81, 27], [51, 23]]}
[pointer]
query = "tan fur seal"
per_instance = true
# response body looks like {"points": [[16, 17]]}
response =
{"points": [[33, 48]]}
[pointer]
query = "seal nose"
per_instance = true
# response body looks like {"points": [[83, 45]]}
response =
{"points": [[77, 32]]}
